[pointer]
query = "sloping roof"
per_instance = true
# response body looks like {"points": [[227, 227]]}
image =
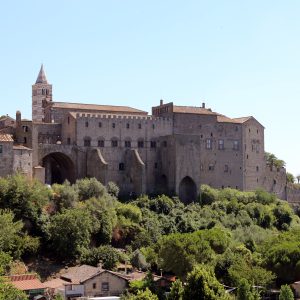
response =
{"points": [[224, 119], [103, 108], [80, 274], [21, 147], [42, 76], [6, 138], [55, 283], [25, 282], [243, 119], [193, 110]]}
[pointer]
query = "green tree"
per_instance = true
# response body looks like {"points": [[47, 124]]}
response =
{"points": [[65, 195], [107, 254], [246, 291], [89, 187], [177, 290], [9, 292], [141, 295], [112, 189], [12, 238], [286, 293], [290, 177], [70, 232], [138, 260], [202, 284]]}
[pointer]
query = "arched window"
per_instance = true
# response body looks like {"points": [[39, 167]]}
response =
{"points": [[101, 143]]}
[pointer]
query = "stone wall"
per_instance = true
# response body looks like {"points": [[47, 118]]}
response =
{"points": [[22, 161], [6, 158]]}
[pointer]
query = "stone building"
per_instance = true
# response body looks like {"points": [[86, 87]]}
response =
{"points": [[173, 151]]}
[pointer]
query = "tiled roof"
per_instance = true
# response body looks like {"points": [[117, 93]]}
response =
{"points": [[193, 110], [79, 274], [242, 120], [224, 119], [25, 282], [103, 108], [55, 283], [6, 138]]}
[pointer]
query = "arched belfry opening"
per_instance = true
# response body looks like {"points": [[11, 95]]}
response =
{"points": [[58, 168], [187, 190]]}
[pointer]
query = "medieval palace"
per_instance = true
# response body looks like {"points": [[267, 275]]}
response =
{"points": [[173, 151]]}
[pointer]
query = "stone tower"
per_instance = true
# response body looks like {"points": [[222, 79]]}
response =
{"points": [[41, 94]]}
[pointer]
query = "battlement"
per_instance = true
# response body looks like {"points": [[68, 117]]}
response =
{"points": [[121, 117]]}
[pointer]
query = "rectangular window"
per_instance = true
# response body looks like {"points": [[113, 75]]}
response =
{"points": [[208, 144], [127, 125], [69, 141], [86, 124], [226, 168], [94, 286], [121, 167], [114, 143], [113, 125], [140, 126], [236, 145], [221, 144], [165, 144], [101, 143], [100, 124], [153, 144], [25, 128], [25, 140], [140, 144], [211, 167], [105, 286], [1, 149], [127, 144]]}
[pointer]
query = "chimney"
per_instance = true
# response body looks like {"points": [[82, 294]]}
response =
{"points": [[161, 101], [203, 104], [18, 118]]}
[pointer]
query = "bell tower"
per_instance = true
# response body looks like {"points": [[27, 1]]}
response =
{"points": [[41, 96]]}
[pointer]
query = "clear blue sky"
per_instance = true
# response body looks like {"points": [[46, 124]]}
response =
{"points": [[240, 57]]}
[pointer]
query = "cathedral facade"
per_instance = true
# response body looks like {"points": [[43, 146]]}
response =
{"points": [[172, 151]]}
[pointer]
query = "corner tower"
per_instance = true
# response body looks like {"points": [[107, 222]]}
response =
{"points": [[41, 95]]}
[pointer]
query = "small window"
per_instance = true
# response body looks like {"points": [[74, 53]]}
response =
{"points": [[68, 120], [165, 144], [153, 126], [101, 143], [226, 168], [1, 149], [139, 126], [100, 124], [25, 140], [127, 144], [221, 144], [127, 125], [68, 141], [25, 128], [236, 145], [257, 168], [121, 167], [236, 128], [153, 144], [211, 167], [114, 143], [140, 144], [113, 125], [211, 134], [155, 165], [94, 286], [86, 124], [105, 286], [208, 144], [87, 142]]}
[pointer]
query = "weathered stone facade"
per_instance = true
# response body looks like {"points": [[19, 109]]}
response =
{"points": [[173, 151]]}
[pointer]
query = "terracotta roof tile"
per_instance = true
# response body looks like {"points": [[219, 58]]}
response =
{"points": [[242, 120], [6, 138], [25, 282], [193, 110], [79, 274], [104, 108], [224, 119]]}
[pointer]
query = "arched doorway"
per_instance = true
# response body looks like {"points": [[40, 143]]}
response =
{"points": [[58, 168], [162, 185], [187, 190]]}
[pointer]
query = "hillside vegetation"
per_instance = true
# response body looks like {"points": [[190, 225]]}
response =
{"points": [[235, 235]]}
